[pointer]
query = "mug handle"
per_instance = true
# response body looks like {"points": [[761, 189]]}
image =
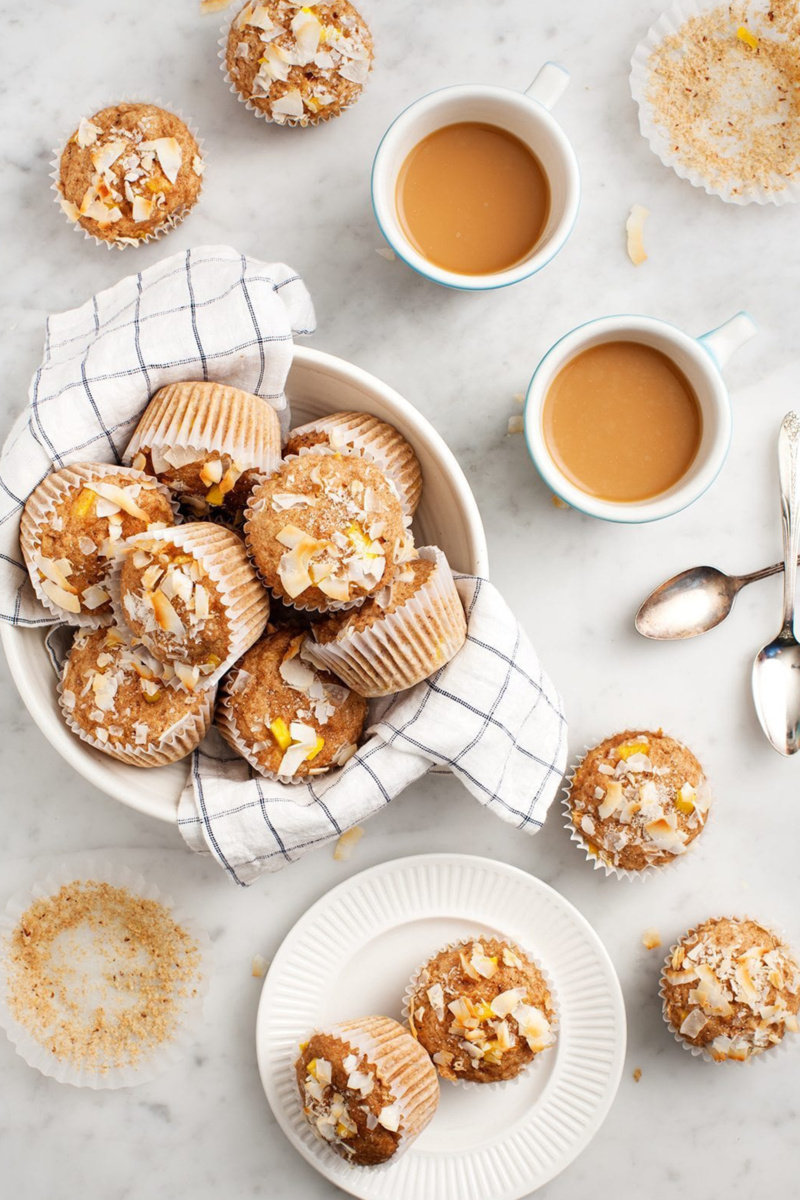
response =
{"points": [[723, 342], [549, 85]]}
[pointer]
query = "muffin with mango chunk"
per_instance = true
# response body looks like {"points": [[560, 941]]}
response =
{"points": [[367, 1089], [637, 800], [731, 989], [73, 527], [289, 720], [482, 1009]]}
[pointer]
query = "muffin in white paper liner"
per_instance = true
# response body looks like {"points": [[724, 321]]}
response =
{"points": [[770, 1052], [757, 83], [198, 418], [361, 433], [154, 1060], [592, 855], [221, 554], [170, 223], [178, 743], [414, 1084], [460, 943], [39, 512], [407, 550], [402, 647], [307, 119]]}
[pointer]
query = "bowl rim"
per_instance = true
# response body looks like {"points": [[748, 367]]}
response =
{"points": [[91, 765]]}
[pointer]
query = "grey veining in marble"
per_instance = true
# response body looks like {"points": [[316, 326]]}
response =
{"points": [[686, 1129]]}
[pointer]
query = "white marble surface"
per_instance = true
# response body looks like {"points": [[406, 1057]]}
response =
{"points": [[205, 1130]]}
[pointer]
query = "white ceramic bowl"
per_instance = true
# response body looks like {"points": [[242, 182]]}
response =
{"points": [[447, 516]]}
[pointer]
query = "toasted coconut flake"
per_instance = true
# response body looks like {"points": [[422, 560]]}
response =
{"points": [[121, 497], [170, 155], [56, 572], [70, 209], [389, 1117], [290, 104], [260, 964], [165, 614], [59, 596], [104, 158], [505, 1003], [87, 134], [651, 939], [93, 596], [634, 229], [516, 424], [142, 208], [212, 6], [347, 843]]}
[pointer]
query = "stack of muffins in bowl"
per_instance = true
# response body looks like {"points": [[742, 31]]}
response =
{"points": [[219, 577]]}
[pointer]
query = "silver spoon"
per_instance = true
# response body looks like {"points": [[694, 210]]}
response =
{"points": [[776, 671], [693, 602]]}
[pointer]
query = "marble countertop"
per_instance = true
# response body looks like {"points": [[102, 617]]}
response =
{"points": [[302, 196]]}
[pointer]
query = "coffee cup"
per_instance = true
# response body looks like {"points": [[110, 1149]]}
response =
{"points": [[699, 360], [526, 116]]}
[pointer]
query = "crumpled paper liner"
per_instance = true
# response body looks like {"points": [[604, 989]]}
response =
{"points": [[170, 223], [211, 417], [40, 507], [376, 440], [701, 1051], [160, 1059], [466, 1082], [406, 1069], [592, 856], [403, 647], [222, 555], [787, 191]]}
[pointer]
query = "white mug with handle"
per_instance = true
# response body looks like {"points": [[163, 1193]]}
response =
{"points": [[527, 116], [701, 360]]}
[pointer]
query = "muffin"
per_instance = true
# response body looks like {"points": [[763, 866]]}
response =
{"points": [[359, 433], [399, 636], [288, 720], [192, 598], [298, 64], [116, 697], [482, 1010], [129, 172], [324, 531], [367, 1089], [638, 800], [207, 443], [731, 989], [73, 527]]}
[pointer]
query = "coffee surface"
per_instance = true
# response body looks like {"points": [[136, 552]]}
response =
{"points": [[472, 198], [622, 422]]}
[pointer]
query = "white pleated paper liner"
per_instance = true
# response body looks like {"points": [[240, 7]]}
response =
{"points": [[593, 855], [171, 222], [40, 509], [154, 1060], [403, 647], [466, 1082], [362, 1035], [770, 1053], [307, 120], [755, 18], [207, 418], [221, 554], [361, 433]]}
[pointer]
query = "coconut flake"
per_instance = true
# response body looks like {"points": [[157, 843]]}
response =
{"points": [[170, 155], [347, 843], [290, 104]]}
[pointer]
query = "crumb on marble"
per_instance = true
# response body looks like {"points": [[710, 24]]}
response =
{"points": [[637, 1074]]}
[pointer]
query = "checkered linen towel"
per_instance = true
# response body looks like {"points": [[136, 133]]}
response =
{"points": [[208, 313], [491, 717]]}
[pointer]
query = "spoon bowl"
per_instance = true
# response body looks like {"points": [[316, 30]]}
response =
{"points": [[688, 604]]}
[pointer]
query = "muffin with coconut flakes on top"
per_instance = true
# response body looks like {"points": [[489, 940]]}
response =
{"points": [[482, 1010], [325, 530], [287, 719], [128, 172], [299, 64]]}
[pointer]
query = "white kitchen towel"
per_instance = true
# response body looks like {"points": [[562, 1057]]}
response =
{"points": [[491, 717], [207, 313]]}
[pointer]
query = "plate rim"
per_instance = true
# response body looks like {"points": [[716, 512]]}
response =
{"points": [[442, 858]]}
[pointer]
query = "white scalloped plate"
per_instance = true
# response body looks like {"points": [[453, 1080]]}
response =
{"points": [[352, 953]]}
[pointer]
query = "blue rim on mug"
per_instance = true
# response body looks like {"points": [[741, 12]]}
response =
{"points": [[493, 281], [717, 346]]}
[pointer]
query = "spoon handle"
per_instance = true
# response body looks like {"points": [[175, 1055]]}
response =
{"points": [[788, 456]]}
